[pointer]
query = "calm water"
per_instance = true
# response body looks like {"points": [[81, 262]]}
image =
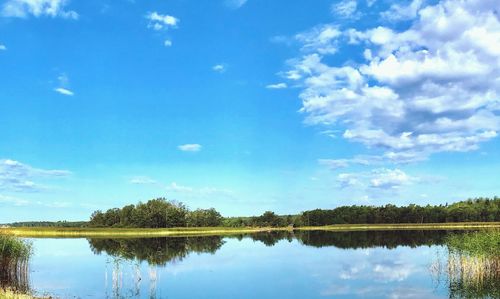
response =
{"points": [[279, 265]]}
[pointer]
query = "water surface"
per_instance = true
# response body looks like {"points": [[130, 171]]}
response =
{"points": [[272, 265]]}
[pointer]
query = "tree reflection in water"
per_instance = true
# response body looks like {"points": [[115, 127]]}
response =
{"points": [[129, 254]]}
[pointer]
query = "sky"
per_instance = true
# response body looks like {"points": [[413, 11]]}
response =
{"points": [[246, 105]]}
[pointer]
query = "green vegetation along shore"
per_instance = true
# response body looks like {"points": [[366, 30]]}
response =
{"points": [[207, 231], [14, 256]]}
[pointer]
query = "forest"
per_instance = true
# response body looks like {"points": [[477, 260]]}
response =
{"points": [[162, 213]]}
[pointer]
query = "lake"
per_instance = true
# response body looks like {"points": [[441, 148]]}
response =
{"points": [[377, 264]]}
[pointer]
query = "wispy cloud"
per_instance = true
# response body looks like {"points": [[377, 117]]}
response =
{"points": [[63, 85], [191, 147], [10, 200], [18, 177], [3, 47], [64, 91], [277, 86], [235, 4], [38, 8], [167, 43], [177, 188], [400, 12], [219, 68], [322, 39], [346, 9], [143, 180]]}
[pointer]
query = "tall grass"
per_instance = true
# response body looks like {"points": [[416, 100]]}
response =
{"points": [[14, 258], [474, 265]]}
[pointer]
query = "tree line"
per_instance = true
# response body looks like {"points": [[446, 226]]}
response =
{"points": [[162, 213], [472, 210], [156, 213]]}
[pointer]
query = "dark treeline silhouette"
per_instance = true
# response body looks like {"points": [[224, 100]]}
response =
{"points": [[160, 213], [49, 224], [156, 251]]}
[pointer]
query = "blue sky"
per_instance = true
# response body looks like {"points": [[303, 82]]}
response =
{"points": [[246, 106]]}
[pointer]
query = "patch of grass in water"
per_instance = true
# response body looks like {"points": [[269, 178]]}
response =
{"points": [[474, 265], [14, 257]]}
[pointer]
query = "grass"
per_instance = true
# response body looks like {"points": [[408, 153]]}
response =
{"points": [[474, 264], [14, 256], [10, 294], [203, 231]]}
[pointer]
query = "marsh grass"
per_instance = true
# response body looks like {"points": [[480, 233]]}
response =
{"points": [[70, 232], [473, 265], [11, 294], [14, 258]]}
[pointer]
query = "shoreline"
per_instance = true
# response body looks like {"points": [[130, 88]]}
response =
{"points": [[48, 232]]}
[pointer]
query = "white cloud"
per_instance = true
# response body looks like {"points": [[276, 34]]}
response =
{"points": [[3, 47], [19, 177], [158, 21], [193, 147], [380, 179], [398, 11], [63, 83], [13, 200], [321, 39], [346, 9], [220, 68], [174, 187], [348, 180], [389, 179], [167, 43], [143, 180], [64, 91], [433, 87], [235, 4], [38, 8], [277, 86], [391, 271]]}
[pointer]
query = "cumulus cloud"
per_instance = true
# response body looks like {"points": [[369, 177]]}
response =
{"points": [[433, 87], [219, 68], [191, 147], [159, 21], [38, 8], [380, 179], [389, 178], [277, 86], [3, 47], [18, 177], [167, 43]]}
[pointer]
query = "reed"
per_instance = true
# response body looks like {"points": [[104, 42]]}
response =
{"points": [[14, 258], [474, 265]]}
